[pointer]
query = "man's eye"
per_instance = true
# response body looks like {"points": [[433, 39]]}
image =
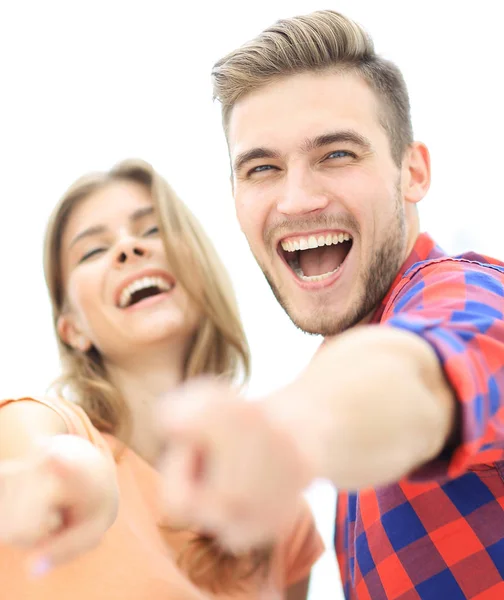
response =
{"points": [[261, 169], [340, 154], [90, 254], [152, 231]]}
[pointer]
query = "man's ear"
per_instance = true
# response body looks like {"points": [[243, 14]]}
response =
{"points": [[71, 334], [416, 172]]}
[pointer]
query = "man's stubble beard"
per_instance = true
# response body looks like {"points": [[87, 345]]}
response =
{"points": [[376, 280]]}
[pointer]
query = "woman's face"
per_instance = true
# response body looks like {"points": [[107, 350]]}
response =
{"points": [[120, 295]]}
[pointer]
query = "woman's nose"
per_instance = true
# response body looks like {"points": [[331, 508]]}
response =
{"points": [[125, 255]]}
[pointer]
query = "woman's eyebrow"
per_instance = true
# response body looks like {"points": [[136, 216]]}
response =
{"points": [[98, 229]]}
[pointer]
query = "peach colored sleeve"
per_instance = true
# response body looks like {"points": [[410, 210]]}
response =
{"points": [[302, 547], [76, 420]]}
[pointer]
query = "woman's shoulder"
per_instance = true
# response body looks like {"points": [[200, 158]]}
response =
{"points": [[57, 414]]}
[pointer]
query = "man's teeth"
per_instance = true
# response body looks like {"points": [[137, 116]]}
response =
{"points": [[308, 243], [304, 277], [315, 241], [140, 284]]}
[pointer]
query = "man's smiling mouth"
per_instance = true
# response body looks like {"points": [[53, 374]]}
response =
{"points": [[316, 256]]}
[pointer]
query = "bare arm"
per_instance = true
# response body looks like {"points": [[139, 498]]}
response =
{"points": [[372, 406], [419, 395], [57, 499]]}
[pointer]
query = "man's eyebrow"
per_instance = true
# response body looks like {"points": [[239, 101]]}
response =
{"points": [[243, 158], [345, 135], [99, 229], [326, 139]]}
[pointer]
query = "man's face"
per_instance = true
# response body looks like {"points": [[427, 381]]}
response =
{"points": [[319, 197]]}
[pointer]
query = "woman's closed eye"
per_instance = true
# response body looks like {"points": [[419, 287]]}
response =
{"points": [[154, 230], [91, 253]]}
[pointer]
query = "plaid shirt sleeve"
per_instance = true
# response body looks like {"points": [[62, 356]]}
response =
{"points": [[457, 306]]}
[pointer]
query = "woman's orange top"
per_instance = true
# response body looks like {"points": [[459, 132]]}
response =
{"points": [[137, 558]]}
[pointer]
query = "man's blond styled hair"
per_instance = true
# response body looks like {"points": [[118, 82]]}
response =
{"points": [[322, 41]]}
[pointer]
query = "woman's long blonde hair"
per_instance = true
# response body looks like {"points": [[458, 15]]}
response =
{"points": [[219, 346]]}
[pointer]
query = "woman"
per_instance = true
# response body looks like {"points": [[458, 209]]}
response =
{"points": [[141, 302]]}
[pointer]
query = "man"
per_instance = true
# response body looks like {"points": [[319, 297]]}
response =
{"points": [[402, 407]]}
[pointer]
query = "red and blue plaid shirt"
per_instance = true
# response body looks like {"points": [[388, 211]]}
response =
{"points": [[440, 533]]}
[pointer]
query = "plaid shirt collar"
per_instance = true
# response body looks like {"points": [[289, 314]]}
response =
{"points": [[425, 248]]}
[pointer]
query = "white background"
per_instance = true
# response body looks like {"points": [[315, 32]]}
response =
{"points": [[84, 84]]}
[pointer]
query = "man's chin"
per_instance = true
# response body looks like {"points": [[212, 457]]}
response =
{"points": [[309, 319], [327, 319], [316, 324]]}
